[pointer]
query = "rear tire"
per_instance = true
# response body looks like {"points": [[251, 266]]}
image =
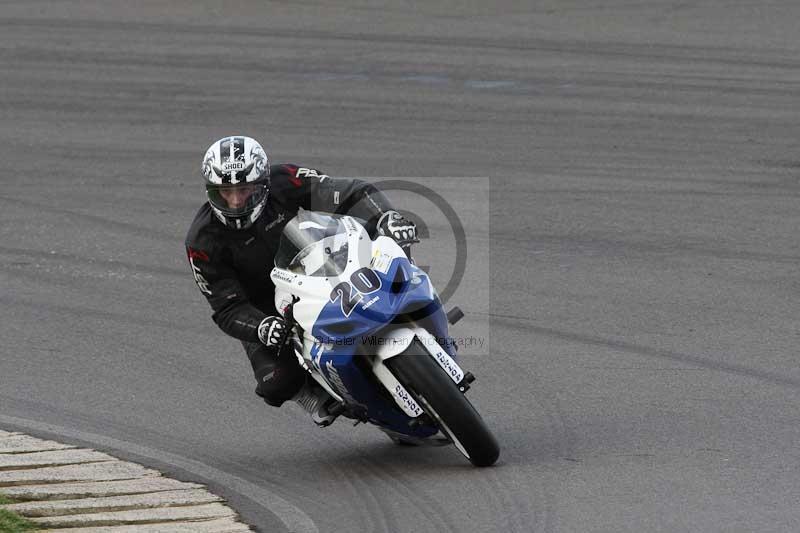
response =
{"points": [[440, 398]]}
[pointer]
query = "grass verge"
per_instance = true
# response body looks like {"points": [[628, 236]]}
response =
{"points": [[11, 522]]}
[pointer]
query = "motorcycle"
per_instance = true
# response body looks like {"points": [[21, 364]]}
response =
{"points": [[369, 327]]}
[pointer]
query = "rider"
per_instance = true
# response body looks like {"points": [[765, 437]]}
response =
{"points": [[232, 243]]}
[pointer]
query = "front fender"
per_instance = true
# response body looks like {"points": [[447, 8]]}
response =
{"points": [[395, 341], [392, 342]]}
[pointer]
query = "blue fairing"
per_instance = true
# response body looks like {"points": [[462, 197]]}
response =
{"points": [[404, 289], [392, 298]]}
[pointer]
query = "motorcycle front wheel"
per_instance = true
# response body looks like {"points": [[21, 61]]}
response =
{"points": [[441, 399]]}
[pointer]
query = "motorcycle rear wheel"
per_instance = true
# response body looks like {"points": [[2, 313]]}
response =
{"points": [[440, 398]]}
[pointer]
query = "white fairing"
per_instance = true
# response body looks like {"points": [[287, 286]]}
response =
{"points": [[314, 293]]}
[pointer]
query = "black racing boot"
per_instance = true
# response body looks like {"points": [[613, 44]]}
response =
{"points": [[318, 403]]}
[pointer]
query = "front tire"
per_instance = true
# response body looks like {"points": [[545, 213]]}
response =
{"points": [[445, 404]]}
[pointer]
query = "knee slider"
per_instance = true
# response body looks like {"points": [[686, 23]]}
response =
{"points": [[268, 387]]}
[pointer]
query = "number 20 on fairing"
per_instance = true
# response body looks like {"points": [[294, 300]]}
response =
{"points": [[363, 281]]}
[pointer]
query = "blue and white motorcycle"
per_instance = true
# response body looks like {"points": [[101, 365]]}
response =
{"points": [[369, 328]]}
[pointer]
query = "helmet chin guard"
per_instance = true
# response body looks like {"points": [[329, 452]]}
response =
{"points": [[242, 222]]}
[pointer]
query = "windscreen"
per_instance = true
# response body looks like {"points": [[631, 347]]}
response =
{"points": [[313, 244]]}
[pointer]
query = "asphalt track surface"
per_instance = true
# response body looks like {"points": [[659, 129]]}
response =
{"points": [[633, 248]]}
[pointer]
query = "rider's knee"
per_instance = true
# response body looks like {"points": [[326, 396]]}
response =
{"points": [[279, 383]]}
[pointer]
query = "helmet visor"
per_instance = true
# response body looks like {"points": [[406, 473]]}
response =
{"points": [[236, 200]]}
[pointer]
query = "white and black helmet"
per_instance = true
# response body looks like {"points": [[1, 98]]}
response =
{"points": [[236, 172]]}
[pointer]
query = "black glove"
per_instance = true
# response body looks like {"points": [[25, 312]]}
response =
{"points": [[273, 331], [403, 231]]}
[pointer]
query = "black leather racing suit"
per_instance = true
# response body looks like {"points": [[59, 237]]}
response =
{"points": [[231, 267]]}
